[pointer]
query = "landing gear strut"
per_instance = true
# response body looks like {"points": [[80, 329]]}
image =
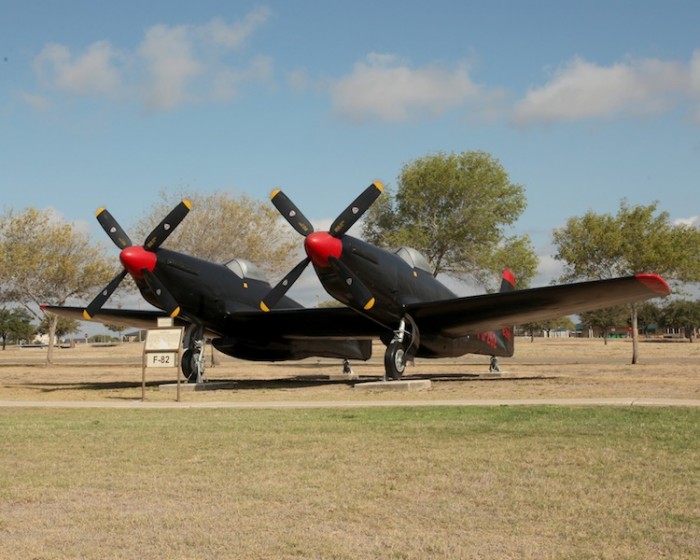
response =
{"points": [[398, 351]]}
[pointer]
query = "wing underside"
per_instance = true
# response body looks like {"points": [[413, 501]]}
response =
{"points": [[477, 314], [451, 318]]}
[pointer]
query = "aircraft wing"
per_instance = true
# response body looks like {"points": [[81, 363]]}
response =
{"points": [[299, 323], [477, 314], [142, 319]]}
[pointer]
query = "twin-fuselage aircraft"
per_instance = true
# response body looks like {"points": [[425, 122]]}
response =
{"points": [[391, 296]]}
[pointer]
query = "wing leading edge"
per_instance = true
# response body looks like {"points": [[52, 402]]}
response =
{"points": [[477, 314], [451, 318]]}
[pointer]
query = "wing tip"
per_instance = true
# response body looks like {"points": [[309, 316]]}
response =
{"points": [[655, 283]]}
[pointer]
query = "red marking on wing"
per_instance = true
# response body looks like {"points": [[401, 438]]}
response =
{"points": [[655, 283]]}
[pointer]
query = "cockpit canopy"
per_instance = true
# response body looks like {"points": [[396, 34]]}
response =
{"points": [[414, 258], [246, 269]]}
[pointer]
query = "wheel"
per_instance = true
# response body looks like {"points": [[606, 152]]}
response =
{"points": [[394, 360], [188, 366]]}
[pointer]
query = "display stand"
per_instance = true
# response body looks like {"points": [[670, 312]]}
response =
{"points": [[162, 349]]}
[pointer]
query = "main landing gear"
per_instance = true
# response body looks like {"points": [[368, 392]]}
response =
{"points": [[193, 364], [401, 349]]}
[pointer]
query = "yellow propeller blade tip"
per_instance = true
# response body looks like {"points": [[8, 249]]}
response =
{"points": [[99, 211], [175, 313], [379, 186], [187, 203], [264, 307], [86, 315], [369, 305], [274, 193]]}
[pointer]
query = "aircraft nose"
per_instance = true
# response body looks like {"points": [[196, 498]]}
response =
{"points": [[135, 259], [320, 246]]}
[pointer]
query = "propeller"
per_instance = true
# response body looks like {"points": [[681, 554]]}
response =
{"points": [[324, 249], [139, 261]]}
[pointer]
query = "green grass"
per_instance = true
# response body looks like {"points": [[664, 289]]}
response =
{"points": [[519, 482]]}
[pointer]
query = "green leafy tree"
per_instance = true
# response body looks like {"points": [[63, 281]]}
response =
{"points": [[44, 260], [15, 323], [221, 227], [638, 239], [64, 326], [648, 313], [456, 209], [682, 314], [532, 328], [606, 319]]}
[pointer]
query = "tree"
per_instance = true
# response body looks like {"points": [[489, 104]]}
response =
{"points": [[682, 314], [638, 239], [605, 319], [221, 227], [44, 260], [648, 314], [455, 209], [564, 323], [64, 326], [16, 322]]}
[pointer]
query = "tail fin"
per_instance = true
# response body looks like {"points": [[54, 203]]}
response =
{"points": [[505, 336], [507, 281]]}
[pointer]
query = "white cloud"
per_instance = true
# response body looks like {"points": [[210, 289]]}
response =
{"points": [[232, 36], [90, 73], [385, 88], [692, 221], [172, 66], [35, 101], [583, 90]]}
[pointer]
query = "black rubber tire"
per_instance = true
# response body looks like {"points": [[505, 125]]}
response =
{"points": [[394, 360], [187, 366]]}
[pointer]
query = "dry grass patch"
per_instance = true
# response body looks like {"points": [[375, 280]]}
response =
{"points": [[554, 368], [540, 482]]}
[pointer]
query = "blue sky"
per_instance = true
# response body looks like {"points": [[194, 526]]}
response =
{"points": [[584, 103]]}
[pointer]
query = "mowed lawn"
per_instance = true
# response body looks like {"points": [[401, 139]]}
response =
{"points": [[509, 482]]}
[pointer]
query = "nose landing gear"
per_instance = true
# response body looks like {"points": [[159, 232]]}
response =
{"points": [[400, 350], [193, 363]]}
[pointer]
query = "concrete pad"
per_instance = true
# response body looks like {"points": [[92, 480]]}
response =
{"points": [[193, 387], [401, 385]]}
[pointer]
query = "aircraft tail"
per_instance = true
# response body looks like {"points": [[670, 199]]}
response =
{"points": [[505, 338]]}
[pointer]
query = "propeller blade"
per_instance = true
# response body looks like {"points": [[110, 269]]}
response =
{"points": [[165, 298], [96, 304], [357, 208], [291, 213], [163, 230], [360, 293], [278, 292], [113, 229]]}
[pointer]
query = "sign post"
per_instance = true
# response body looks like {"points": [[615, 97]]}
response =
{"points": [[162, 349]]}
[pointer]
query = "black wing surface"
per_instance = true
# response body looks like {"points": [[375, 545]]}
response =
{"points": [[315, 323], [477, 314], [142, 319]]}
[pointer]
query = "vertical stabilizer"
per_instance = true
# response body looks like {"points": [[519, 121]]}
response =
{"points": [[505, 336]]}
